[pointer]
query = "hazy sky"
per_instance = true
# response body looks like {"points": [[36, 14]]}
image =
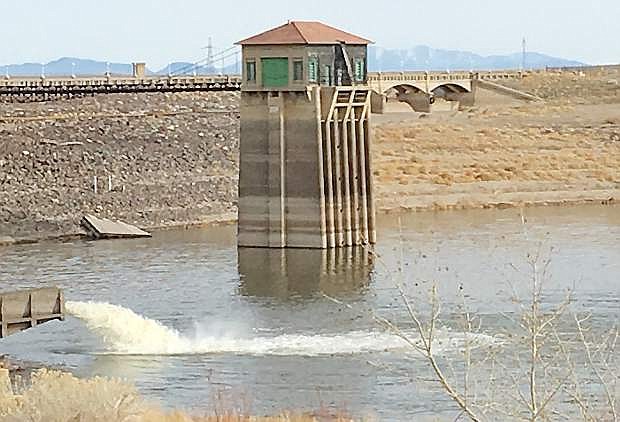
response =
{"points": [[160, 31]]}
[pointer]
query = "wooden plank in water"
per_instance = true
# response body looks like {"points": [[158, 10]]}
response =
{"points": [[26, 309], [103, 228]]}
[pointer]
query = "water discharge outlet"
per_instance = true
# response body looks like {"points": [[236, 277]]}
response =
{"points": [[26, 309], [123, 332]]}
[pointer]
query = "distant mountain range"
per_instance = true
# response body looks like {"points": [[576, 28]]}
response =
{"points": [[66, 66], [380, 59], [427, 58], [70, 65]]}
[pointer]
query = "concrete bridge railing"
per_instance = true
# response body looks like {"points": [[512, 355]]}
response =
{"points": [[61, 81], [429, 81], [419, 89], [231, 81], [44, 88], [24, 89]]}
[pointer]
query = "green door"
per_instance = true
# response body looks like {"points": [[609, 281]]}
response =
{"points": [[275, 72]]}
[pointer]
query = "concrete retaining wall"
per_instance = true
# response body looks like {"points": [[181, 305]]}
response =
{"points": [[26, 309]]}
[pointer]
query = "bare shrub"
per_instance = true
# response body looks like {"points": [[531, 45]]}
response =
{"points": [[56, 396], [551, 365]]}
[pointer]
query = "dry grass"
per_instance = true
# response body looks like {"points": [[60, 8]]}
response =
{"points": [[573, 87], [54, 396], [498, 156], [502, 152], [449, 155]]}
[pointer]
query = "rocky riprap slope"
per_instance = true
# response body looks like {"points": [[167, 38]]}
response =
{"points": [[172, 160]]}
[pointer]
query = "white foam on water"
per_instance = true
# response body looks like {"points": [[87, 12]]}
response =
{"points": [[126, 333]]}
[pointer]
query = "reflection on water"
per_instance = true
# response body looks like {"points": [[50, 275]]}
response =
{"points": [[303, 273], [200, 284]]}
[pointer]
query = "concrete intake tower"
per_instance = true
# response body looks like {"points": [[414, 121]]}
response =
{"points": [[305, 167]]}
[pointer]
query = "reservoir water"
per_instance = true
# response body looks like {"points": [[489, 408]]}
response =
{"points": [[190, 319]]}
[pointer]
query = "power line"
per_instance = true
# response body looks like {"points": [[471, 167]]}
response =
{"points": [[208, 61]]}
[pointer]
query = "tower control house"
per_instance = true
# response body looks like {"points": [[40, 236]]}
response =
{"points": [[305, 169]]}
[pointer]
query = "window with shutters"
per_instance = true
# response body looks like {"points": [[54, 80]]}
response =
{"points": [[313, 69], [298, 70], [360, 71], [250, 71]]}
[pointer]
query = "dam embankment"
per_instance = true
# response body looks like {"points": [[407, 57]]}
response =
{"points": [[170, 160]]}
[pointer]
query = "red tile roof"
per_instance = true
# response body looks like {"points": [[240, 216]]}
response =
{"points": [[299, 32]]}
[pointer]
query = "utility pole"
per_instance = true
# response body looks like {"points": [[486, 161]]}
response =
{"points": [[210, 53], [523, 61]]}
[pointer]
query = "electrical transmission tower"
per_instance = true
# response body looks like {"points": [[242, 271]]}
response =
{"points": [[210, 53]]}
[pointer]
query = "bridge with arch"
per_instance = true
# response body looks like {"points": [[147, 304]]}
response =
{"points": [[418, 89]]}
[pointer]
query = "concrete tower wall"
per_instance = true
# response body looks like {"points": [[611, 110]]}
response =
{"points": [[279, 192], [305, 178]]}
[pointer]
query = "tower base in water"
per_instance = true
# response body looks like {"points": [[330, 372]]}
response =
{"points": [[305, 169]]}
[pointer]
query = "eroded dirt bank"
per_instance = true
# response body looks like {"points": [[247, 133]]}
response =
{"points": [[172, 160]]}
